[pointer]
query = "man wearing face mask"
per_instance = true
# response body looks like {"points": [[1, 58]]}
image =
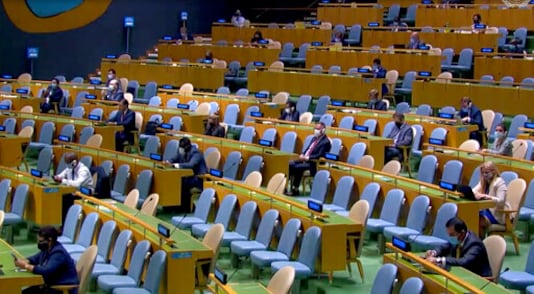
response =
{"points": [[472, 115], [318, 147], [379, 72], [213, 128], [290, 113], [126, 118], [52, 262], [75, 175], [237, 19], [189, 157], [115, 91], [112, 75], [51, 95], [402, 135], [463, 249], [415, 42]]}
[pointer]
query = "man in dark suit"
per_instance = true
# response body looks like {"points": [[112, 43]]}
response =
{"points": [[415, 41], [51, 95], [290, 113], [189, 157], [472, 115], [464, 249], [375, 102], [126, 118], [319, 146], [401, 134]]}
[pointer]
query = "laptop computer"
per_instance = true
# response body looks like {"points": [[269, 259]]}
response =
{"points": [[467, 192]]}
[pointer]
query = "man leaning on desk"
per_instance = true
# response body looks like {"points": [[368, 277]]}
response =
{"points": [[126, 118], [464, 249]]}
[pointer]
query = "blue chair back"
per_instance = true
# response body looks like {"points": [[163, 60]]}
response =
{"points": [[392, 206], [120, 249], [503, 34], [246, 218], [322, 105], [151, 146], [156, 118], [121, 179], [439, 133], [448, 110], [214, 107], [320, 185], [413, 285], [409, 77], [521, 35], [79, 99], [243, 92], [302, 50], [445, 213], [85, 134], [357, 151], [172, 103], [231, 113], [133, 87], [8, 89], [171, 150], [527, 83], [289, 236], [6, 102], [154, 101], [475, 177], [303, 103], [176, 123], [336, 146], [355, 33], [71, 221], [371, 125], [105, 238], [309, 249], [233, 69], [107, 166], [388, 128], [447, 54], [248, 117], [98, 112], [506, 81], [452, 172], [410, 13], [385, 279], [403, 107], [231, 165], [254, 163], [47, 133], [77, 80], [316, 69], [68, 130], [87, 160], [270, 135], [327, 119], [44, 161], [5, 188], [288, 142], [496, 120], [19, 200], [508, 176], [427, 169], [418, 213], [370, 194], [466, 57], [347, 122], [77, 112], [334, 69], [487, 80], [247, 135], [154, 273], [137, 262], [10, 124], [393, 12], [267, 225], [424, 109], [529, 267], [517, 122], [144, 183], [28, 123], [226, 210], [87, 231], [287, 50], [151, 90], [343, 192], [205, 201], [529, 197]]}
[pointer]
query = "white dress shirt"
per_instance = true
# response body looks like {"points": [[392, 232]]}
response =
{"points": [[77, 176]]}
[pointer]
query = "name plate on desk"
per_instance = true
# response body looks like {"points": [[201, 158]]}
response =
{"points": [[315, 206], [90, 96], [166, 126], [4, 107], [22, 91], [259, 63], [435, 141], [93, 117], [529, 125], [220, 275], [261, 95], [361, 128], [446, 115], [7, 77], [256, 114], [86, 191], [2, 128], [331, 156], [36, 173], [216, 173], [63, 138], [317, 44], [164, 231], [338, 103], [167, 87], [156, 156], [182, 106], [424, 73], [486, 50], [401, 244], [266, 143], [447, 186]]}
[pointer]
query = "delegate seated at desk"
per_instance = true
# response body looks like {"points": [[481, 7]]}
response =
{"points": [[471, 114], [491, 187], [52, 262], [290, 113], [189, 157], [415, 41], [375, 101], [75, 175], [126, 118], [214, 128], [52, 94], [115, 91], [402, 135], [464, 249], [501, 145], [319, 146]]}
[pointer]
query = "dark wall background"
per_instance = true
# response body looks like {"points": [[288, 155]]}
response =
{"points": [[78, 52]]}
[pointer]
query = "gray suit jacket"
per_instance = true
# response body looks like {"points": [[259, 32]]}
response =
{"points": [[402, 136]]}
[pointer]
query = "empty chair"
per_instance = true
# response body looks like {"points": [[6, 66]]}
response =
{"points": [[527, 83], [496, 249], [448, 54], [44, 161], [448, 110], [506, 81], [150, 205], [276, 184], [230, 114], [427, 169], [327, 119], [424, 109], [172, 103], [154, 273], [27, 109], [270, 136], [357, 151], [305, 264], [413, 285], [301, 55], [306, 118], [243, 92], [244, 224], [385, 279], [85, 236], [277, 66], [103, 243], [439, 235], [321, 107], [393, 14], [202, 210], [254, 163], [248, 114], [452, 172], [71, 224], [282, 280], [319, 188], [303, 103], [392, 167], [465, 62], [520, 35], [416, 220], [143, 184], [406, 87], [316, 69], [410, 14], [347, 122], [154, 101], [131, 199], [223, 216], [176, 123], [10, 124], [287, 52], [354, 37], [231, 165], [336, 146], [247, 135], [508, 176], [108, 282], [389, 215], [18, 207], [253, 179], [334, 69], [371, 124], [487, 80], [470, 145], [342, 195], [121, 181], [45, 137], [367, 161], [151, 146], [517, 122], [519, 280], [171, 150], [288, 143]]}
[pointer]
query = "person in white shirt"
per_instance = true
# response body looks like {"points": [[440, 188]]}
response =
{"points": [[75, 175], [237, 19]]}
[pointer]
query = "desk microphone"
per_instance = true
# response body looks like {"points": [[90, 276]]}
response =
{"points": [[139, 211], [490, 281], [178, 224], [231, 276]]}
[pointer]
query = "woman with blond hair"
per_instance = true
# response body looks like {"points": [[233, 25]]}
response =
{"points": [[491, 187]]}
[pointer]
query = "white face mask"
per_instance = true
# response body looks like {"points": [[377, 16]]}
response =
{"points": [[499, 134], [316, 132], [288, 110], [110, 76], [181, 150]]}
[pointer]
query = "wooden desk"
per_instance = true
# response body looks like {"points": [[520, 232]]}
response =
{"points": [[180, 268], [11, 149], [13, 281], [237, 288], [428, 15], [402, 3], [375, 145], [518, 68], [471, 160], [508, 100], [275, 161], [456, 133], [166, 181], [402, 62], [231, 34], [44, 206], [345, 14], [457, 280], [334, 228], [412, 188], [201, 76], [341, 87], [17, 102], [384, 38], [228, 53]]}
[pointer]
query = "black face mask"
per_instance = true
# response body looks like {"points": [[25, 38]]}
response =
{"points": [[42, 245], [398, 124]]}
